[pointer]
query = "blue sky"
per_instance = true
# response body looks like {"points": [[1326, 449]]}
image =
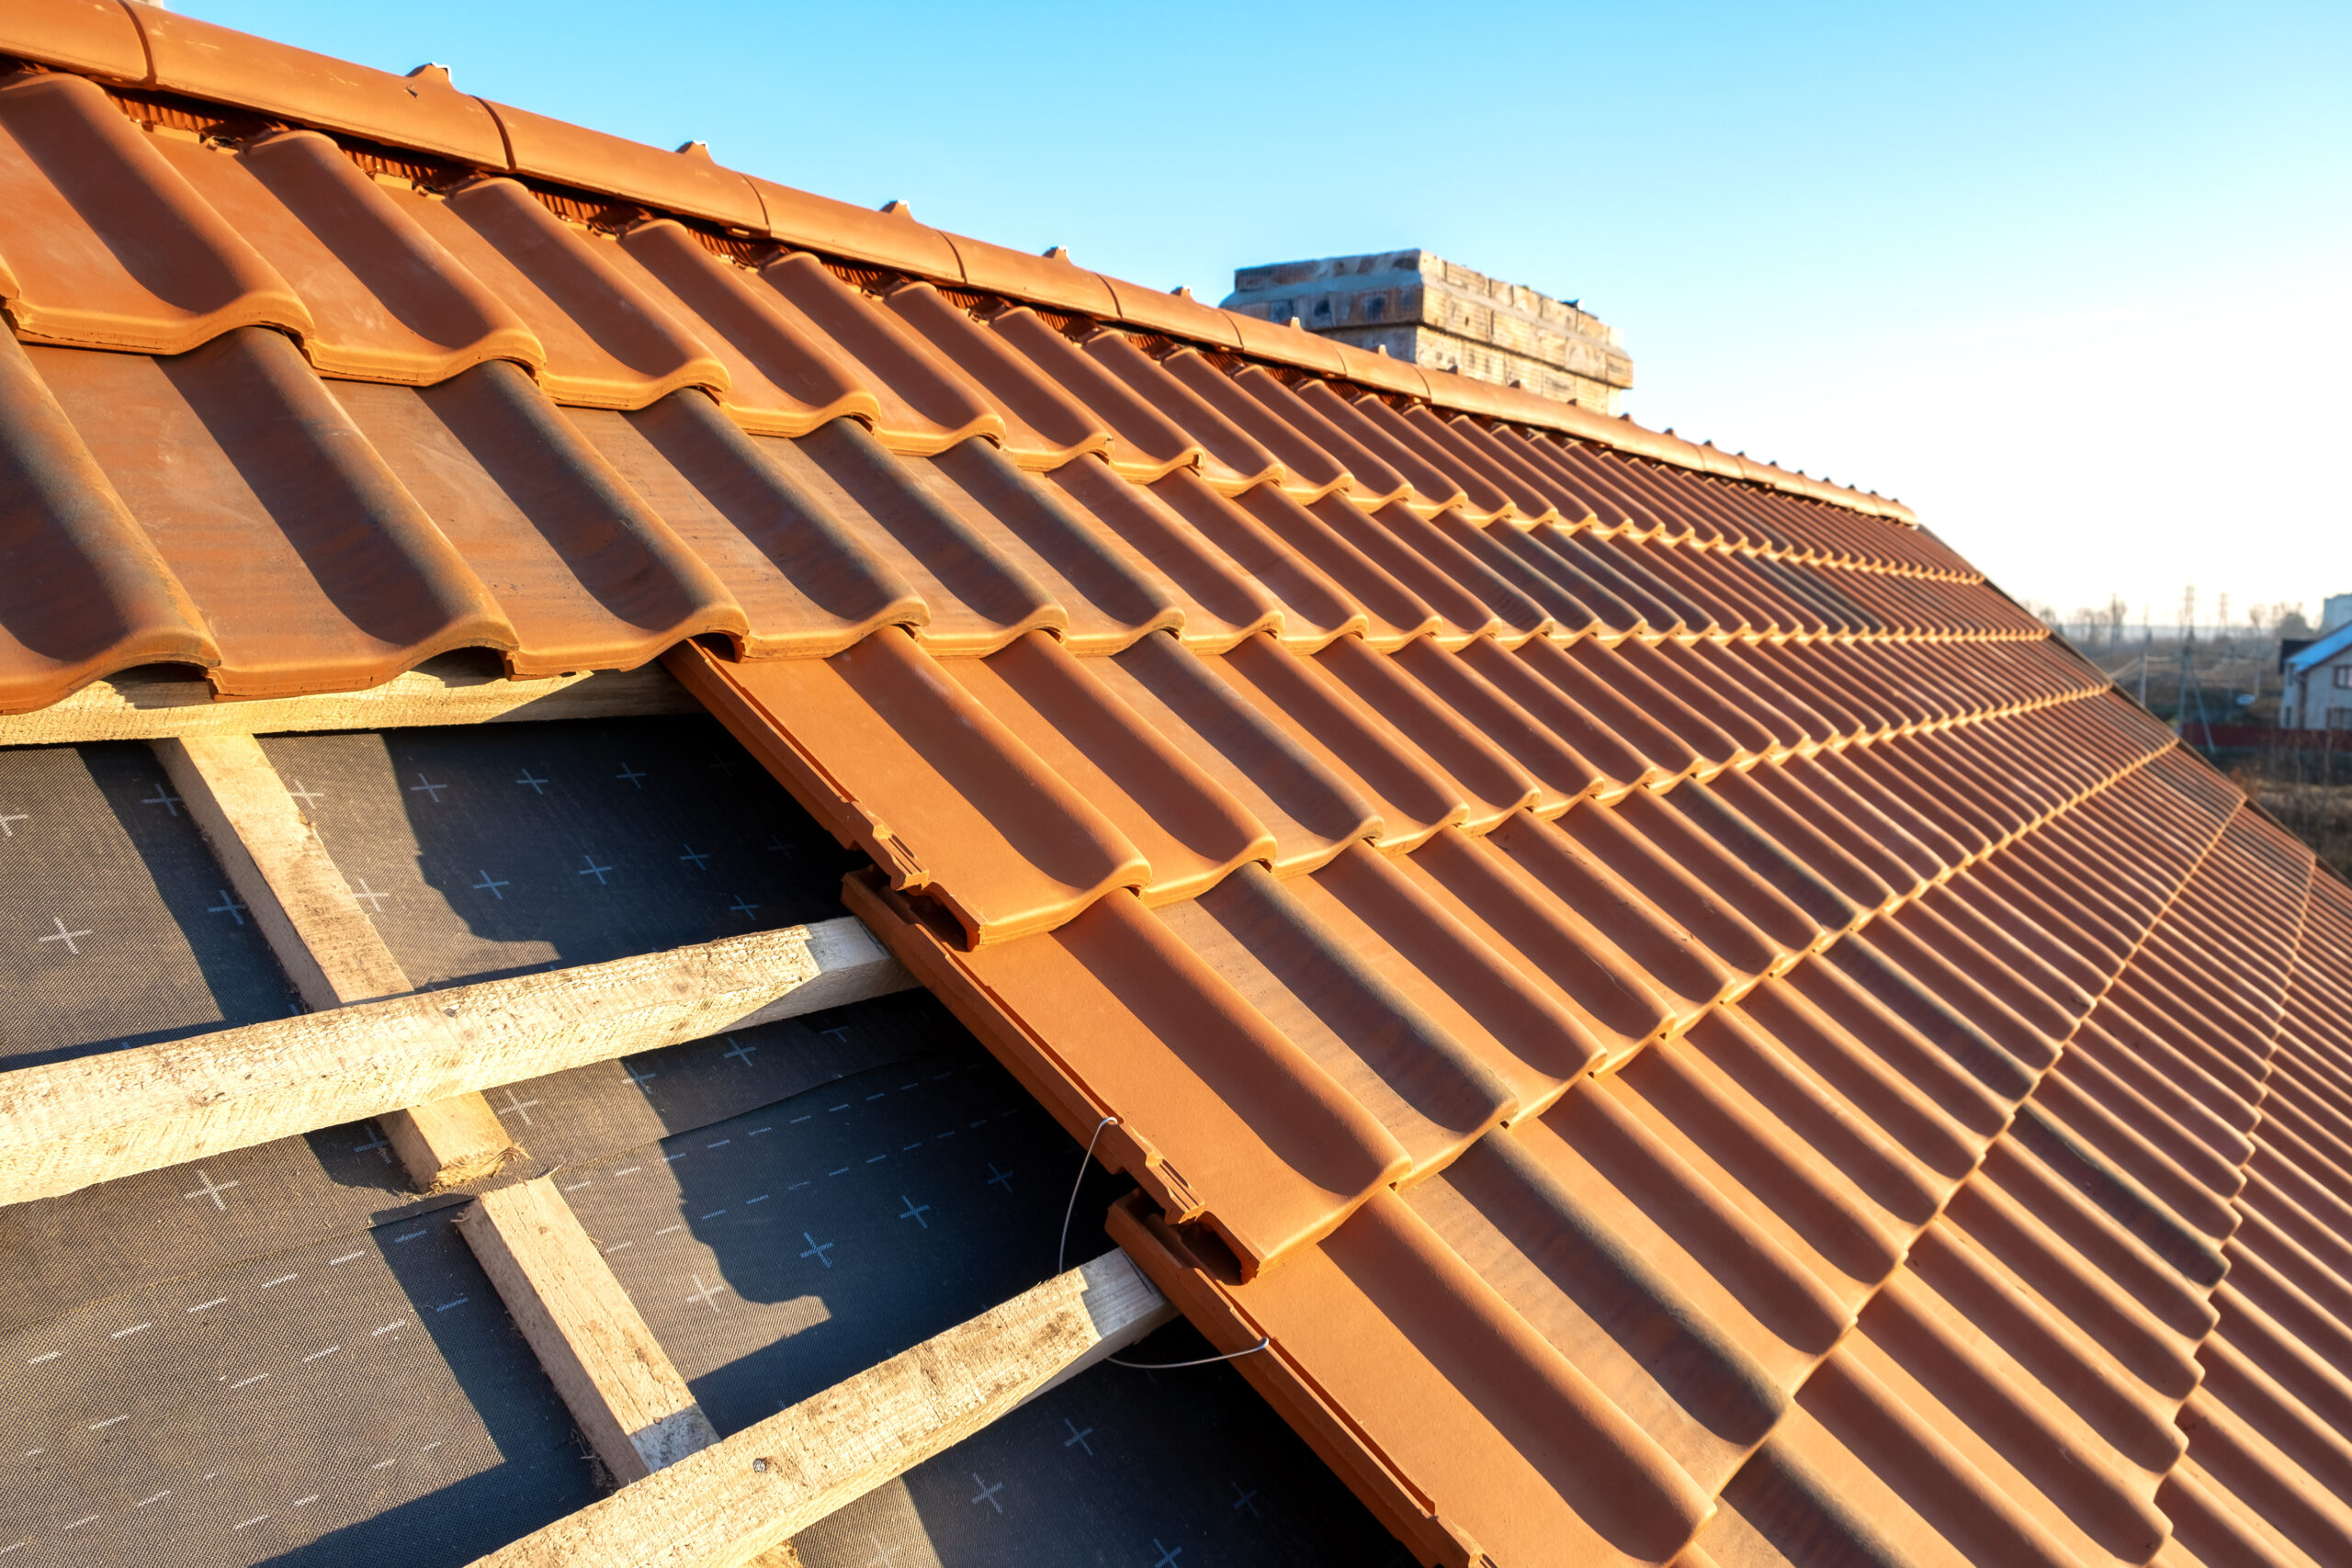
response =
{"points": [[2072, 280]]}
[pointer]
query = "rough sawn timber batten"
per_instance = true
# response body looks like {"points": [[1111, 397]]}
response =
{"points": [[66, 1125], [613, 1375], [146, 706], [326, 943], [725, 1505]]}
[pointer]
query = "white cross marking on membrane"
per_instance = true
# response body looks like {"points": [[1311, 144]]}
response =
{"points": [[165, 799], [1167, 1554], [632, 775], [520, 1107], [639, 1080], [706, 1294], [538, 786], [1077, 1438], [742, 908], [838, 1031], [7, 831], [741, 1052], [426, 786], [376, 1142], [364, 894], [66, 937], [999, 1177], [229, 907], [594, 870], [776, 846], [817, 1249], [305, 795], [210, 1189], [882, 1554], [695, 855], [1244, 1499], [915, 1211], [987, 1493], [491, 886], [721, 765]]}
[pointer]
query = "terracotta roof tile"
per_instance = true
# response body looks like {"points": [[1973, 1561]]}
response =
{"points": [[1693, 1027]]}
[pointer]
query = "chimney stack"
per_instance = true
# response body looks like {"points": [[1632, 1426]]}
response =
{"points": [[1428, 311]]}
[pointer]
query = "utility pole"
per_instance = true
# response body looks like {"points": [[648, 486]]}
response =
{"points": [[2147, 645]]}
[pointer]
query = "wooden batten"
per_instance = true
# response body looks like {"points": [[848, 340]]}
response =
{"points": [[455, 689], [327, 946], [65, 1125], [614, 1376], [728, 1504]]}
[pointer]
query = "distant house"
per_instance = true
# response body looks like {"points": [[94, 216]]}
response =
{"points": [[2319, 681]]}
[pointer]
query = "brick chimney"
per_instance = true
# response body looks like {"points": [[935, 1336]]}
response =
{"points": [[1417, 307]]}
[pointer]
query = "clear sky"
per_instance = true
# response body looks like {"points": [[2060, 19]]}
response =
{"points": [[2074, 281]]}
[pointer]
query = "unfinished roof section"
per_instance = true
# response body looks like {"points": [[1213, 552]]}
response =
{"points": [[1692, 1027]]}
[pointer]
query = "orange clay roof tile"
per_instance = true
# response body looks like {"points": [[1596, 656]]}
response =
{"points": [[1693, 1029]]}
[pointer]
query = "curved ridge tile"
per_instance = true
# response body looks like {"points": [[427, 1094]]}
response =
{"points": [[96, 35], [205, 59], [685, 181], [107, 244], [83, 590]]}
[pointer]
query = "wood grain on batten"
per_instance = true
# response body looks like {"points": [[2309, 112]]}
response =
{"points": [[615, 1379], [613, 1375], [65, 1125], [726, 1506], [328, 946], [454, 689]]}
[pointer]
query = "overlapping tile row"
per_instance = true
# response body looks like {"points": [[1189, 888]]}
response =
{"points": [[2010, 1393], [192, 75], [2264, 1479], [1693, 1233], [1692, 1029], [356, 418]]}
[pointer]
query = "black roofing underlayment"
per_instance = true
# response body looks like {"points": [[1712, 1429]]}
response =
{"points": [[284, 1355]]}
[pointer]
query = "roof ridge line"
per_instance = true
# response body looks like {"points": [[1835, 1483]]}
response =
{"points": [[166, 52]]}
